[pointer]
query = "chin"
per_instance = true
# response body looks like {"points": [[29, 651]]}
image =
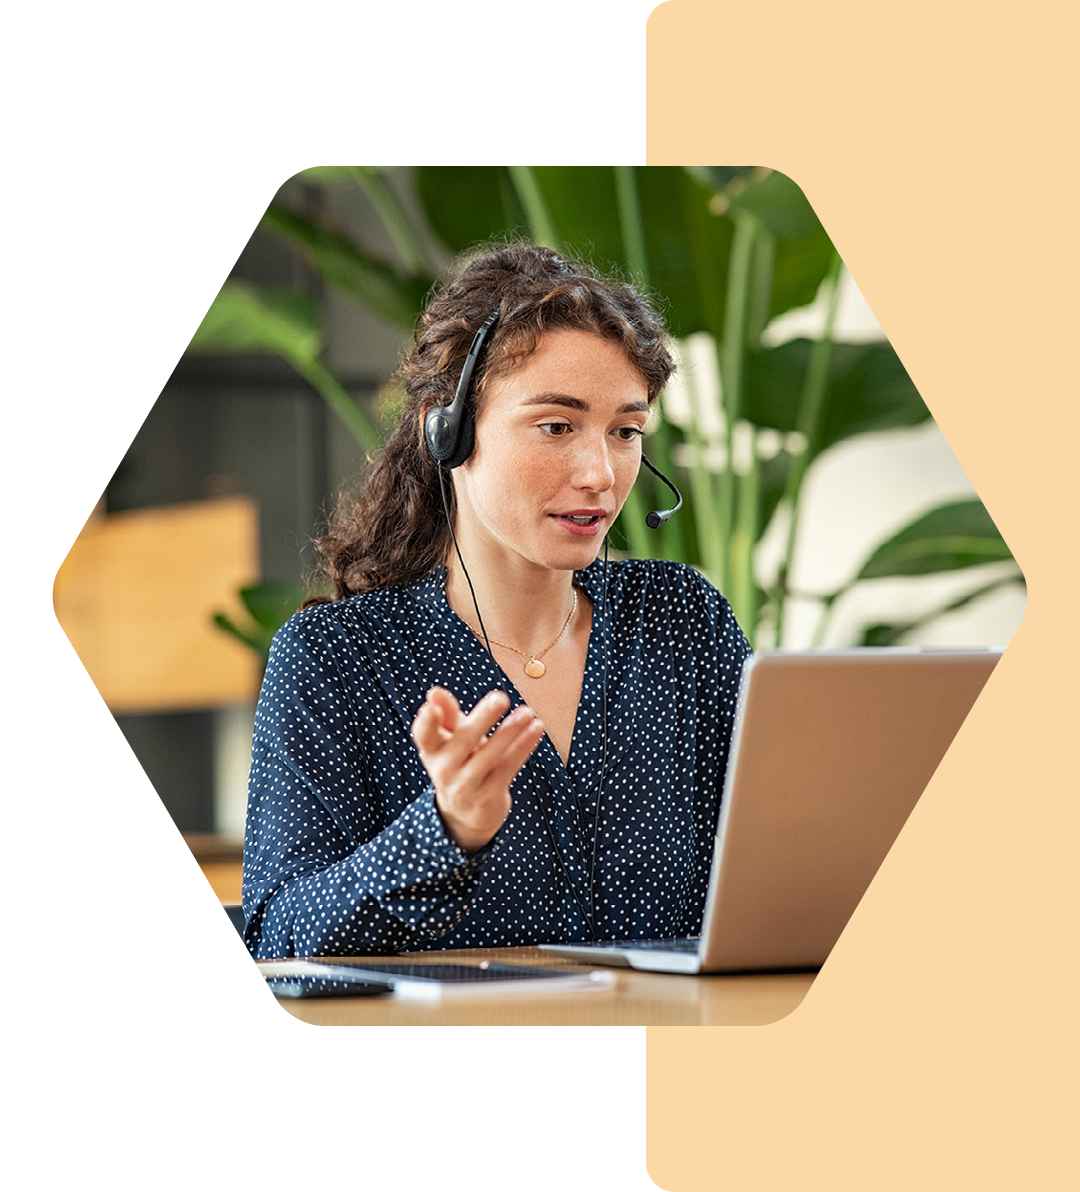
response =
{"points": [[576, 559], [569, 554]]}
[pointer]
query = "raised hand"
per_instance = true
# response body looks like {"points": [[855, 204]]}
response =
{"points": [[471, 769]]}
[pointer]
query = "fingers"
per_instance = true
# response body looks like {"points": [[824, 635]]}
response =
{"points": [[453, 743], [456, 741], [427, 729], [439, 717], [473, 730], [505, 751], [445, 706], [470, 765]]}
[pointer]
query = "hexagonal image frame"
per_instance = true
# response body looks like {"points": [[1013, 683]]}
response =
{"points": [[789, 398]]}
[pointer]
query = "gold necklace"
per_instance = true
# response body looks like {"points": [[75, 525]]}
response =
{"points": [[534, 668]]}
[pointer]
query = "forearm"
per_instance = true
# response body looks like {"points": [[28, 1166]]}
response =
{"points": [[407, 885]]}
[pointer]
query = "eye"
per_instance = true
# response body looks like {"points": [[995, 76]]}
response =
{"points": [[629, 433], [555, 429]]}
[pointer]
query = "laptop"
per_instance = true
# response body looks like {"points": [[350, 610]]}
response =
{"points": [[830, 753]]}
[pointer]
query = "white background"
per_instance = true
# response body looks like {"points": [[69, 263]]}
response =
{"points": [[144, 142]]}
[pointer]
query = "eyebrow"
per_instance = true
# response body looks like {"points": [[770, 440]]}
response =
{"points": [[576, 403]]}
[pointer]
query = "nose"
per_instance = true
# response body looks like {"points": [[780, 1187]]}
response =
{"points": [[594, 471]]}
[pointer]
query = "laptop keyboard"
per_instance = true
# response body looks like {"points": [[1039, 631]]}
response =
{"points": [[688, 944]]}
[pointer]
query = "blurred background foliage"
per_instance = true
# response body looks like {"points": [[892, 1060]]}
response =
{"points": [[725, 251]]}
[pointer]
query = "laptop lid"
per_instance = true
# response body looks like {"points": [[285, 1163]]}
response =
{"points": [[831, 752]]}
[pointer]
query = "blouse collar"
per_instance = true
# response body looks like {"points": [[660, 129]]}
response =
{"points": [[431, 590]]}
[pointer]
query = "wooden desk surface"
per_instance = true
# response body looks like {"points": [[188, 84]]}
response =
{"points": [[638, 999]]}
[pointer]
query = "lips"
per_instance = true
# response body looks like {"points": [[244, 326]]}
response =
{"points": [[581, 521]]}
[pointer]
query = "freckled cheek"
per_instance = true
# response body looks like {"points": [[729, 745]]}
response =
{"points": [[527, 472], [520, 480], [625, 475]]}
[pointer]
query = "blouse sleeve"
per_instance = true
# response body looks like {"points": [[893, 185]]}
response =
{"points": [[343, 853]]}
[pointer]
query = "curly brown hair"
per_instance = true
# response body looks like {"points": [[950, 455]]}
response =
{"points": [[394, 531]]}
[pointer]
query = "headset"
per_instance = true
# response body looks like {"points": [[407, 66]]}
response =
{"points": [[450, 431], [449, 435]]}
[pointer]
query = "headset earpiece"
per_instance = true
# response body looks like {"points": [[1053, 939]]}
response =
{"points": [[449, 435], [450, 431]]}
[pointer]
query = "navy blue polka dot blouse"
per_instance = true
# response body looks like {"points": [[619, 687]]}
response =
{"points": [[345, 852]]}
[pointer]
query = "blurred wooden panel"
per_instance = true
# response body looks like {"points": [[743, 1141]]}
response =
{"points": [[222, 862], [225, 878], [136, 596]]}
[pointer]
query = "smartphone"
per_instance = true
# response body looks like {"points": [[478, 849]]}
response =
{"points": [[309, 986]]}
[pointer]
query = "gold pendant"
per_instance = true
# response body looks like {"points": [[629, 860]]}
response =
{"points": [[535, 669]]}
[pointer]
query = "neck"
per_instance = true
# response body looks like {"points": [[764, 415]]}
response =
{"points": [[522, 607]]}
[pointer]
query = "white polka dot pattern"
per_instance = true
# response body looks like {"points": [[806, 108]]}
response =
{"points": [[345, 852]]}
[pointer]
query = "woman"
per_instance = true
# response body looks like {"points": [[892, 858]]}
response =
{"points": [[491, 737]]}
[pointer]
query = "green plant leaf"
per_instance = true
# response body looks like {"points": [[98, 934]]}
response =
{"points": [[469, 204], [778, 203], [799, 268], [959, 534], [244, 318], [883, 634], [687, 246], [803, 250], [256, 639], [272, 602], [772, 480], [329, 176], [582, 203], [377, 285], [717, 177], [689, 249], [867, 389]]}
